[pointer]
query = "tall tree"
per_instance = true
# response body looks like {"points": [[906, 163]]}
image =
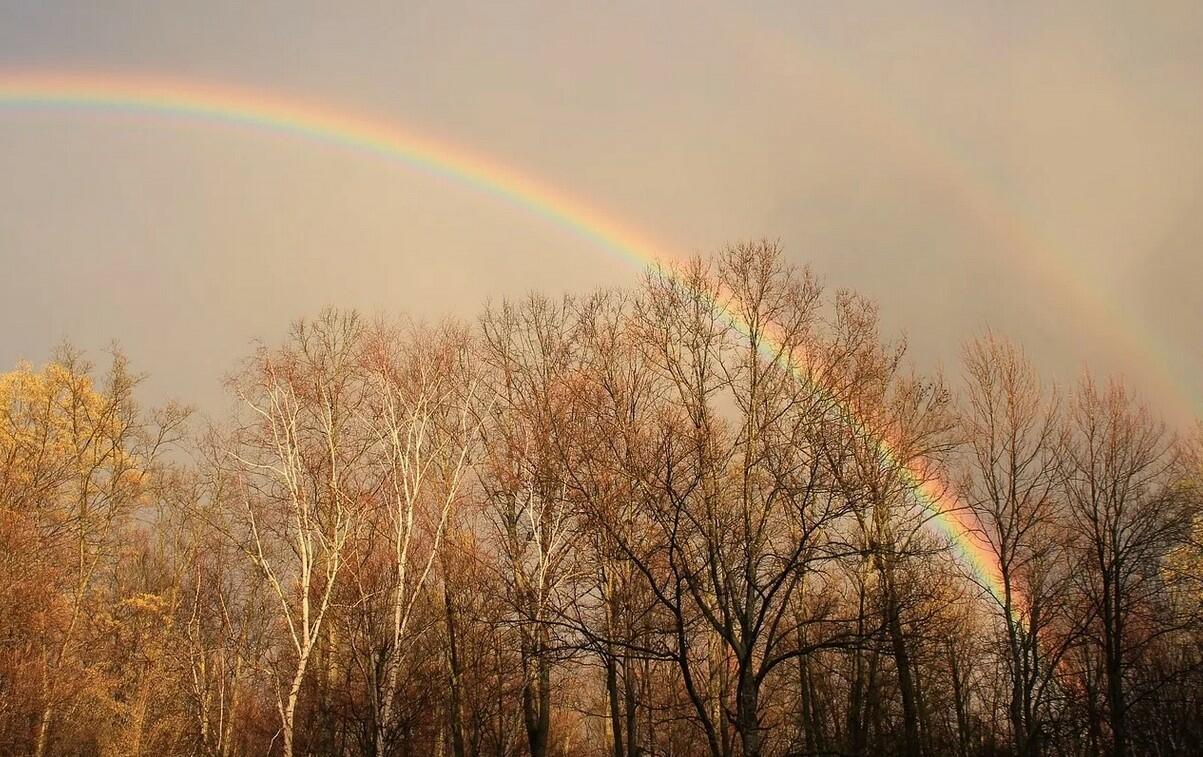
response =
{"points": [[292, 466], [1117, 477], [419, 405], [1014, 441], [532, 365]]}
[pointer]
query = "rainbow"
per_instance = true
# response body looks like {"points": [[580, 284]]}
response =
{"points": [[1031, 249], [242, 107]]}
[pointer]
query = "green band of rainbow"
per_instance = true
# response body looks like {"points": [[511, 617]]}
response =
{"points": [[182, 98]]}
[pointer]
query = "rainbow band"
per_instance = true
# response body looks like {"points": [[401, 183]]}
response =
{"points": [[1043, 258], [241, 107], [318, 123], [932, 493]]}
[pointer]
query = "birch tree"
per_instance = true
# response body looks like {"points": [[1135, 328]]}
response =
{"points": [[423, 420], [293, 472]]}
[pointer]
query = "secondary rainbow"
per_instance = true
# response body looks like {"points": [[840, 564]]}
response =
{"points": [[182, 98], [969, 185]]}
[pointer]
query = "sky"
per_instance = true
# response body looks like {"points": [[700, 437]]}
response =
{"points": [[1033, 168]]}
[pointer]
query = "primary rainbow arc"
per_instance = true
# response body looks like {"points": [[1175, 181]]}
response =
{"points": [[183, 98]]}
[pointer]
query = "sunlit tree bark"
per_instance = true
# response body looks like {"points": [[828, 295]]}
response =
{"points": [[293, 469]]}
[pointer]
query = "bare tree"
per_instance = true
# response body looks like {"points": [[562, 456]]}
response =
{"points": [[710, 515], [420, 410], [742, 505], [293, 468], [888, 460], [1014, 441], [531, 361], [1127, 515]]}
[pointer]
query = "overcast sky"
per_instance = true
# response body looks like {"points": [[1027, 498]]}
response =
{"points": [[1033, 169]]}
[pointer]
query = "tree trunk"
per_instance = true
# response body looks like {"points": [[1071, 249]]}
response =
{"points": [[806, 721], [958, 698], [747, 712], [536, 696], [873, 710], [628, 682], [455, 714], [906, 684], [615, 713], [856, 691], [43, 731], [288, 712], [1113, 662], [1117, 712]]}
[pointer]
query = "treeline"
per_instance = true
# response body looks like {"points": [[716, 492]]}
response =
{"points": [[711, 515]]}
